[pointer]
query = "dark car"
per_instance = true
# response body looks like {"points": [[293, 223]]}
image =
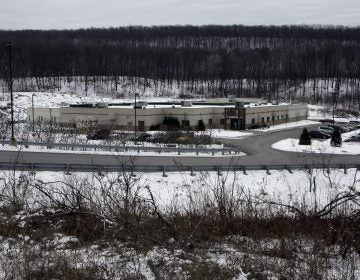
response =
{"points": [[354, 138], [327, 121], [342, 128], [354, 122], [319, 134]]}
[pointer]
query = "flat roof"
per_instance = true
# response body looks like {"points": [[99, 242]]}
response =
{"points": [[176, 105]]}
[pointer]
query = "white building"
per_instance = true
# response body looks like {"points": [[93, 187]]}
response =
{"points": [[228, 114]]}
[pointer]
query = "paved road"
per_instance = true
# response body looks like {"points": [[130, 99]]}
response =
{"points": [[257, 147], [259, 151]]}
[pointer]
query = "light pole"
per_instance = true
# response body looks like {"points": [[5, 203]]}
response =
{"points": [[135, 106], [33, 116], [333, 111], [12, 139], [335, 98]]}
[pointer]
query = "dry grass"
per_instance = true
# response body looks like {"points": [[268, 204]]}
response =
{"points": [[264, 245]]}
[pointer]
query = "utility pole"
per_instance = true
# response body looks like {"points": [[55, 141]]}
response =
{"points": [[33, 112], [135, 106], [336, 95], [12, 139]]}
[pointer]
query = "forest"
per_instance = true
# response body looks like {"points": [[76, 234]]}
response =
{"points": [[261, 61]]}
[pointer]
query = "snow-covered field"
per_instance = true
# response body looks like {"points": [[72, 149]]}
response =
{"points": [[320, 147], [262, 194], [278, 194], [279, 186], [23, 100]]}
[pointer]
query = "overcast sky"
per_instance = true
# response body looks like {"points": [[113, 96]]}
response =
{"points": [[71, 14]]}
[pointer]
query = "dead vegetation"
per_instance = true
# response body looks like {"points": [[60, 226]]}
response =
{"points": [[111, 226]]}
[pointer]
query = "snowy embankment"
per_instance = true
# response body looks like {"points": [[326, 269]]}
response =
{"points": [[261, 194], [33, 245], [320, 147], [179, 189]]}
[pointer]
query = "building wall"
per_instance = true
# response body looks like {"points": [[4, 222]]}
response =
{"points": [[124, 117], [44, 114], [274, 114]]}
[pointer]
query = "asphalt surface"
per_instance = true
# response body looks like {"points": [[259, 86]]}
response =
{"points": [[257, 147], [259, 151]]}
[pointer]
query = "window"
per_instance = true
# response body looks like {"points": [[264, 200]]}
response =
{"points": [[253, 121], [222, 121], [185, 123], [286, 116], [262, 119], [273, 118], [267, 119], [278, 117], [210, 121]]}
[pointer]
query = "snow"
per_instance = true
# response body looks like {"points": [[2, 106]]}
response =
{"points": [[231, 134], [288, 125], [144, 153], [320, 147], [179, 189], [177, 192]]}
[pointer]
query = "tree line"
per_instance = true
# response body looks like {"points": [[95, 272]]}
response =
{"points": [[215, 59]]}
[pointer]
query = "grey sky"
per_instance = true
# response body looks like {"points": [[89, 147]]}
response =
{"points": [[68, 14]]}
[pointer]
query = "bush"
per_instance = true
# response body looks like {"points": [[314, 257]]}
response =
{"points": [[336, 139], [305, 138], [154, 127], [171, 123]]}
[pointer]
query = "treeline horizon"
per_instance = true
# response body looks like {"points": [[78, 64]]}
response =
{"points": [[219, 56]]}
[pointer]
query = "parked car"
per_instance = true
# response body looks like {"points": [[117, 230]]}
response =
{"points": [[346, 125], [326, 129], [354, 138], [319, 134], [341, 128], [352, 126], [326, 121], [354, 122]]}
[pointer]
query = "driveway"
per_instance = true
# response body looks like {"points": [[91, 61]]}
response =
{"points": [[257, 147]]}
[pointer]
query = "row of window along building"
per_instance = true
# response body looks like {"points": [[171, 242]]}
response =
{"points": [[234, 114]]}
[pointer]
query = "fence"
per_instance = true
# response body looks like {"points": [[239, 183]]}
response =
{"points": [[67, 168], [137, 149]]}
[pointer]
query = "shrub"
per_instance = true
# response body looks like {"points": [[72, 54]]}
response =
{"points": [[305, 138], [155, 127], [171, 123], [255, 126], [336, 139]]}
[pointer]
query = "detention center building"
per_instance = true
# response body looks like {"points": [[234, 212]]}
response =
{"points": [[234, 114]]}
